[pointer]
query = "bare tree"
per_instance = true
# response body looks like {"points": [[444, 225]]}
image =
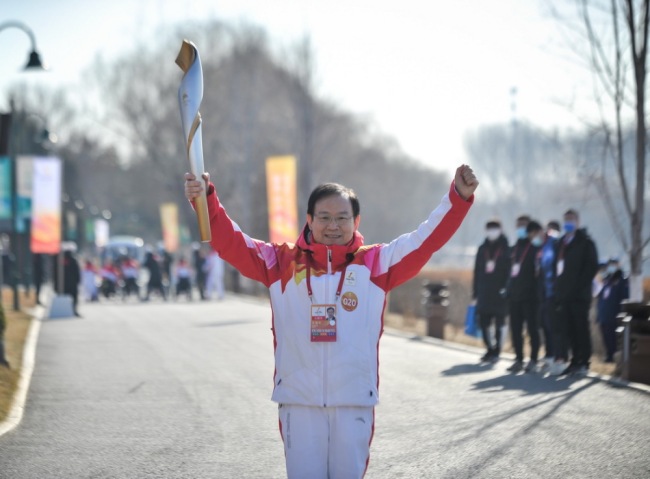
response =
{"points": [[616, 36]]}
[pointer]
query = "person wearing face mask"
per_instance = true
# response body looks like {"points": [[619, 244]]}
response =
{"points": [[491, 272], [522, 294], [576, 264], [546, 262], [615, 289]]}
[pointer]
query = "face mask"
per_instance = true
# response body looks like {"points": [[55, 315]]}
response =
{"points": [[521, 232], [537, 241], [611, 269], [553, 233], [493, 233], [569, 226]]}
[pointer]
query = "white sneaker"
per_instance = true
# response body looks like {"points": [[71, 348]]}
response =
{"points": [[557, 368]]}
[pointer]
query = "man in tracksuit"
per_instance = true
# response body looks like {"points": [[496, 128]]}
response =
{"points": [[326, 372]]}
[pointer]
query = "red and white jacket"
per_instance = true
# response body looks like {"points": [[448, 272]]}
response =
{"points": [[344, 372]]}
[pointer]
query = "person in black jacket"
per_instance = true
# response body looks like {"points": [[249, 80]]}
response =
{"points": [[615, 289], [155, 283], [522, 294], [576, 264], [71, 278], [491, 272]]}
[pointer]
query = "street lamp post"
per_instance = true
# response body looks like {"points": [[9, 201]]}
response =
{"points": [[33, 63], [34, 60]]}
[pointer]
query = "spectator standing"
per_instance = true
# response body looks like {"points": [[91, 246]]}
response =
{"points": [[522, 294], [546, 283], [183, 278], [615, 289], [575, 266], [491, 272]]}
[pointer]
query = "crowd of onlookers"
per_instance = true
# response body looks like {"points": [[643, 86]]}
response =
{"points": [[159, 273], [544, 284]]}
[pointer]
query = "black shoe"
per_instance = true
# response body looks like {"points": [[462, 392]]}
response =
{"points": [[516, 366], [531, 366], [486, 357], [570, 370]]}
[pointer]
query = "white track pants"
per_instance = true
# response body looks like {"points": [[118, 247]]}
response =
{"points": [[326, 442]]}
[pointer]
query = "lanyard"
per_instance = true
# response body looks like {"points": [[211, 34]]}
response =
{"points": [[496, 255], [523, 255], [309, 290]]}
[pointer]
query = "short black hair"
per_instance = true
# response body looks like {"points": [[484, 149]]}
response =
{"points": [[553, 225], [573, 212], [523, 218], [493, 223], [333, 189], [533, 227]]}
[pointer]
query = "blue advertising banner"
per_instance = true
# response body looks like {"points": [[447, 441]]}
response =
{"points": [[5, 188]]}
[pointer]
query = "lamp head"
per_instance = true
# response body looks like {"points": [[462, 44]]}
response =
{"points": [[34, 62]]}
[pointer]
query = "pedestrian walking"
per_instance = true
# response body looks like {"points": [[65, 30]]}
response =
{"points": [[155, 283], [198, 260], [71, 278], [89, 281], [575, 266], [326, 376], [491, 273], [38, 274], [214, 271]]}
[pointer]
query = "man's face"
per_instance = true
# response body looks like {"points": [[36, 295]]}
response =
{"points": [[333, 223]]}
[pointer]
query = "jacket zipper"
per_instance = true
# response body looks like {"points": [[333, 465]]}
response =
{"points": [[326, 345]]}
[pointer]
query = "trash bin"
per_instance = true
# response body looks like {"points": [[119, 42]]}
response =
{"points": [[634, 339], [436, 302]]}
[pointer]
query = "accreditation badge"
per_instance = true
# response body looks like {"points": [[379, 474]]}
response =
{"points": [[489, 266], [323, 323], [560, 267], [514, 272]]}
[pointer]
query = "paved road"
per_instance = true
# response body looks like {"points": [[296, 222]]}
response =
{"points": [[181, 390]]}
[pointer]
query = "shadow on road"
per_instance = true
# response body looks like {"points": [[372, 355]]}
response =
{"points": [[527, 383], [226, 323], [462, 369]]}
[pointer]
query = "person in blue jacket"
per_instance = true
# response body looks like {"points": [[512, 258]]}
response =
{"points": [[615, 289]]}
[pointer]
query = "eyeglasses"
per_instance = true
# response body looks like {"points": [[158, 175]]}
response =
{"points": [[338, 220]]}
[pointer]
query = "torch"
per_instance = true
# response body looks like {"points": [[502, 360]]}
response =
{"points": [[190, 94]]}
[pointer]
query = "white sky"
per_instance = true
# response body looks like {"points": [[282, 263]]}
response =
{"points": [[425, 71]]}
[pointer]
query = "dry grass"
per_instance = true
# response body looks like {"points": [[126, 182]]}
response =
{"points": [[14, 338]]}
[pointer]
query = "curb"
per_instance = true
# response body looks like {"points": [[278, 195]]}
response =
{"points": [[17, 409], [611, 380]]}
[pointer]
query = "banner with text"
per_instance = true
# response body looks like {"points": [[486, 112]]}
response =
{"points": [[24, 191], [170, 231], [46, 206], [282, 198], [5, 192]]}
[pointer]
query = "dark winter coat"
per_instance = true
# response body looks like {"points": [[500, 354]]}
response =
{"points": [[580, 266], [489, 287], [615, 290], [523, 286]]}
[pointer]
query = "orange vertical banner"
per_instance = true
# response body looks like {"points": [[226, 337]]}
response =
{"points": [[46, 206], [282, 198], [170, 229]]}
